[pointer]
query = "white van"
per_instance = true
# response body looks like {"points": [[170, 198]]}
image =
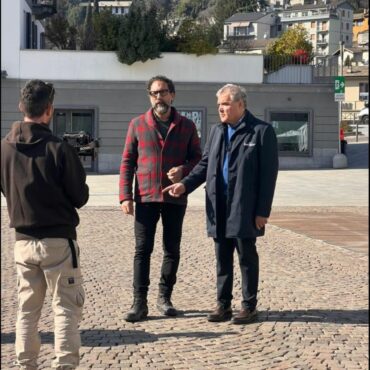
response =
{"points": [[363, 116]]}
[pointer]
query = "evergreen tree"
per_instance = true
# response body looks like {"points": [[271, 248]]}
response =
{"points": [[96, 6], [194, 38], [139, 34], [88, 38], [60, 33], [106, 26]]}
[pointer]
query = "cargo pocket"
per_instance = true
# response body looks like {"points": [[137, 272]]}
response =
{"points": [[73, 290]]}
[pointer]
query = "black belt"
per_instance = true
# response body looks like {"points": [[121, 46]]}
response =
{"points": [[74, 255]]}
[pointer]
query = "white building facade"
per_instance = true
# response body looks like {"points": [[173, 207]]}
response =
{"points": [[326, 25]]}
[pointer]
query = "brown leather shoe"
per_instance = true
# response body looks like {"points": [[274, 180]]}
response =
{"points": [[244, 316], [220, 314]]}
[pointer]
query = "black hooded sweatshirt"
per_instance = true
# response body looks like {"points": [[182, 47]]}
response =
{"points": [[43, 181]]}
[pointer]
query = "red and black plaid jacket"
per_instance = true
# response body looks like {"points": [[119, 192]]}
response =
{"points": [[148, 157]]}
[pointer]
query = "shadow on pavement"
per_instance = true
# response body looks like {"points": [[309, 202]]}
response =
{"points": [[102, 337], [358, 155]]}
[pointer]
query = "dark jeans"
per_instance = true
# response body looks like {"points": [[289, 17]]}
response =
{"points": [[146, 219], [249, 268]]}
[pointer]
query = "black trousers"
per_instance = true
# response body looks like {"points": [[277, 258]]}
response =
{"points": [[249, 268], [146, 218]]}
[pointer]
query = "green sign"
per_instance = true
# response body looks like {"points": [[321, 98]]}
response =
{"points": [[339, 85], [339, 88]]}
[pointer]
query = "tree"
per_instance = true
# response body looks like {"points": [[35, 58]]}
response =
{"points": [[348, 61], [194, 38], [96, 6], [293, 39], [106, 27], [190, 8], [139, 34], [88, 38], [60, 33]]}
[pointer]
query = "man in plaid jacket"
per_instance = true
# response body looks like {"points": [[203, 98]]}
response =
{"points": [[161, 148]]}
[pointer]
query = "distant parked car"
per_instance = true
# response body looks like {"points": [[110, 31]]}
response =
{"points": [[363, 116]]}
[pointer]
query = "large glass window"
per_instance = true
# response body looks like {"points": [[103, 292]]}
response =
{"points": [[73, 121], [293, 131]]}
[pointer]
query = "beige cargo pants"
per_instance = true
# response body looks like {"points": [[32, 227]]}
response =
{"points": [[41, 265]]}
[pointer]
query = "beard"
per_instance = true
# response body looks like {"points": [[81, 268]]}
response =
{"points": [[161, 108]]}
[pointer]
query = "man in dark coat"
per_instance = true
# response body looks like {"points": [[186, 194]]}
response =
{"points": [[240, 166]]}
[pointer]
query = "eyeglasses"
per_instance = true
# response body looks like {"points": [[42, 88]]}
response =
{"points": [[159, 92]]}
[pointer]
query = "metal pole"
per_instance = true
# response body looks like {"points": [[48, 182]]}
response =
{"points": [[341, 47]]}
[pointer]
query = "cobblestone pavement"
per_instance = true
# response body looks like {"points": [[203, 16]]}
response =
{"points": [[313, 303]]}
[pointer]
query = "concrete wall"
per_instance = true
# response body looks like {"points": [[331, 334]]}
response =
{"points": [[117, 102], [104, 66]]}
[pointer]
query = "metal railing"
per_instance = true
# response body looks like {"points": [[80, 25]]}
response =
{"points": [[299, 69]]}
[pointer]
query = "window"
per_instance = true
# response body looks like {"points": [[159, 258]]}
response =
{"points": [[343, 13], [293, 132], [347, 26], [240, 31], [364, 91], [75, 121], [313, 24], [28, 21]]}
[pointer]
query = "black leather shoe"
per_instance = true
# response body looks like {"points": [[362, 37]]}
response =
{"points": [[138, 311], [165, 306], [220, 314], [245, 316]]}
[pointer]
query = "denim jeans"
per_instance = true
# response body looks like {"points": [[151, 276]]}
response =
{"points": [[146, 218], [249, 269]]}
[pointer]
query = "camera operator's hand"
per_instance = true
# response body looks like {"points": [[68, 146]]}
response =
{"points": [[127, 207]]}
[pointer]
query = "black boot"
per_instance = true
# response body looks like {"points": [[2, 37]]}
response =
{"points": [[165, 306], [139, 309]]}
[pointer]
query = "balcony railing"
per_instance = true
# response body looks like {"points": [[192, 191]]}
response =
{"points": [[298, 70]]}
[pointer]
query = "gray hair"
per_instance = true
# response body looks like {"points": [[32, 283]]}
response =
{"points": [[236, 92]]}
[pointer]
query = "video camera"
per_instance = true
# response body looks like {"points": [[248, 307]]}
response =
{"points": [[83, 142]]}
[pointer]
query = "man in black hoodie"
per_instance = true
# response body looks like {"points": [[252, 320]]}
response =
{"points": [[44, 182]]}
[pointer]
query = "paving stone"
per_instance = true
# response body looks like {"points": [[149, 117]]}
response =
{"points": [[313, 303]]}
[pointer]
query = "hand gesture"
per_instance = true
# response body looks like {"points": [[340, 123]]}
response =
{"points": [[175, 190], [175, 174]]}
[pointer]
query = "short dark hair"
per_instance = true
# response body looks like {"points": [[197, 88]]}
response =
{"points": [[171, 86], [36, 96]]}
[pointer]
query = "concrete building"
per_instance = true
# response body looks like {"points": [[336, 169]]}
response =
{"points": [[97, 94], [361, 28], [357, 89], [326, 24], [254, 26]]}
